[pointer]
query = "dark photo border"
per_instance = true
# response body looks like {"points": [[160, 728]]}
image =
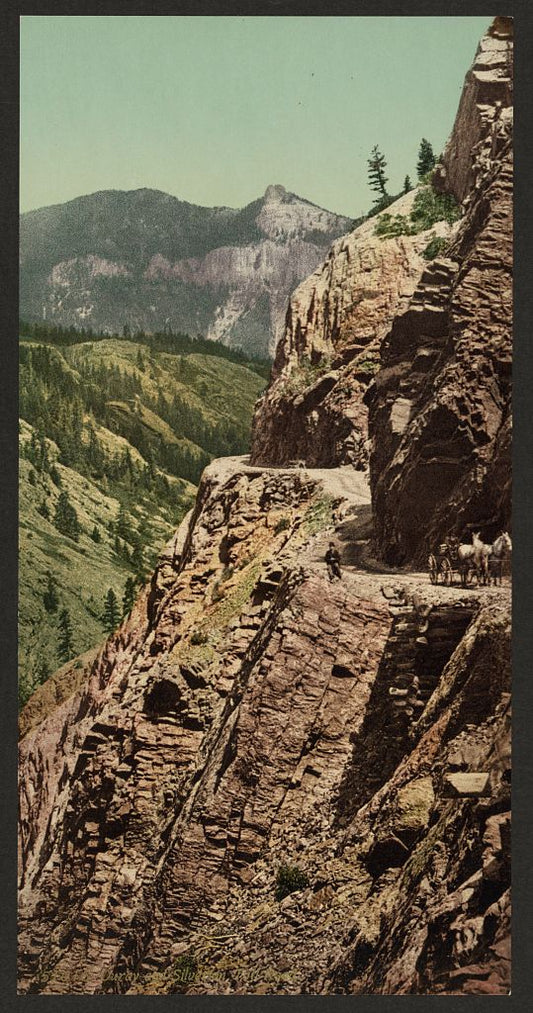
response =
{"points": [[522, 11]]}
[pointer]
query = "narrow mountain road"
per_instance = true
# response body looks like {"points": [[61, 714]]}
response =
{"points": [[351, 531]]}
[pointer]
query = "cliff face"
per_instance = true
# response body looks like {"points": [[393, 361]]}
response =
{"points": [[240, 720], [336, 320], [148, 260], [269, 782], [439, 410]]}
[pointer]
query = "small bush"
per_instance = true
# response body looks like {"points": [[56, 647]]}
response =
{"points": [[289, 879], [392, 225], [198, 638], [369, 366], [429, 207], [435, 246], [282, 525], [305, 375]]}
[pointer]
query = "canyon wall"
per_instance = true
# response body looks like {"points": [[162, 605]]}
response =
{"points": [[270, 782], [336, 319], [439, 409], [251, 715], [404, 366]]}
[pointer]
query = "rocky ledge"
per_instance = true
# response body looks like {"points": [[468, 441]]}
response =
{"points": [[249, 715]]}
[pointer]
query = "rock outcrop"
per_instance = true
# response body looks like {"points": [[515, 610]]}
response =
{"points": [[251, 714], [268, 782], [336, 319], [439, 409]]}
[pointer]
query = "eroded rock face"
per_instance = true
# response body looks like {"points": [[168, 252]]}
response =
{"points": [[439, 409], [250, 714], [313, 408], [219, 716]]}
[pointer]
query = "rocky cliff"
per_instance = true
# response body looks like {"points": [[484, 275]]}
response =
{"points": [[336, 320], [439, 409], [403, 365], [270, 782], [250, 715], [150, 261]]}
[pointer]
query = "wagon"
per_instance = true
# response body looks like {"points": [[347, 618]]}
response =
{"points": [[440, 564], [445, 562]]}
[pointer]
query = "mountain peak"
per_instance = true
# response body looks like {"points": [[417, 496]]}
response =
{"points": [[275, 192]]}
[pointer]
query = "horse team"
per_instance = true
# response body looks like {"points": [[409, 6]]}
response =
{"points": [[478, 558]]}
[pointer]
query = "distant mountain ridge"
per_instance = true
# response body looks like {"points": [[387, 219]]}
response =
{"points": [[147, 260]]}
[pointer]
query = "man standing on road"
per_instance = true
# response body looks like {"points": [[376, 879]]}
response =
{"points": [[333, 560]]}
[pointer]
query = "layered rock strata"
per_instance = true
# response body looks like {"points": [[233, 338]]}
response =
{"points": [[253, 726], [439, 409], [313, 408], [223, 731]]}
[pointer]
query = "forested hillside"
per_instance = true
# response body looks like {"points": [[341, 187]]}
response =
{"points": [[114, 435]]}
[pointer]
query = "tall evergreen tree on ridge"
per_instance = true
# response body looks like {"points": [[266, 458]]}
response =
{"points": [[376, 172], [111, 615], [426, 158]]}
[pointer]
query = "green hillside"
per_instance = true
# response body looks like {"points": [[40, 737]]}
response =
{"points": [[114, 435]]}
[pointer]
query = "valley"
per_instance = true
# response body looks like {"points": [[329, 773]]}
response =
{"points": [[122, 432]]}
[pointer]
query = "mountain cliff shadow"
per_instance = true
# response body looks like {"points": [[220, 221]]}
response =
{"points": [[354, 533]]}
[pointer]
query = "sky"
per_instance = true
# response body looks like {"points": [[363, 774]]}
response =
{"points": [[214, 109]]}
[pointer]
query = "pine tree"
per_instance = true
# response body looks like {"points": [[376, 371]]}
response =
{"points": [[128, 598], [137, 559], [407, 185], [95, 534], [110, 616], [123, 526], [66, 518], [376, 172], [50, 596], [65, 647], [43, 510], [426, 158], [94, 452]]}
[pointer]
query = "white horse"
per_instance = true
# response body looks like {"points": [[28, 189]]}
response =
{"points": [[481, 557], [465, 559], [499, 549]]}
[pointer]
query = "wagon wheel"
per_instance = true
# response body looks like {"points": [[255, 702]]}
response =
{"points": [[447, 572], [433, 569]]}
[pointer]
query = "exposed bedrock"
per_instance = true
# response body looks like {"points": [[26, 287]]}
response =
{"points": [[253, 724], [313, 408], [218, 717], [439, 409], [250, 713]]}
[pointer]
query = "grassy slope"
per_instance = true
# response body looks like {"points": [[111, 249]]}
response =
{"points": [[214, 387]]}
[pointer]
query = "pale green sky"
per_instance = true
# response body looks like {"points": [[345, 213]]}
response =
{"points": [[214, 109]]}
